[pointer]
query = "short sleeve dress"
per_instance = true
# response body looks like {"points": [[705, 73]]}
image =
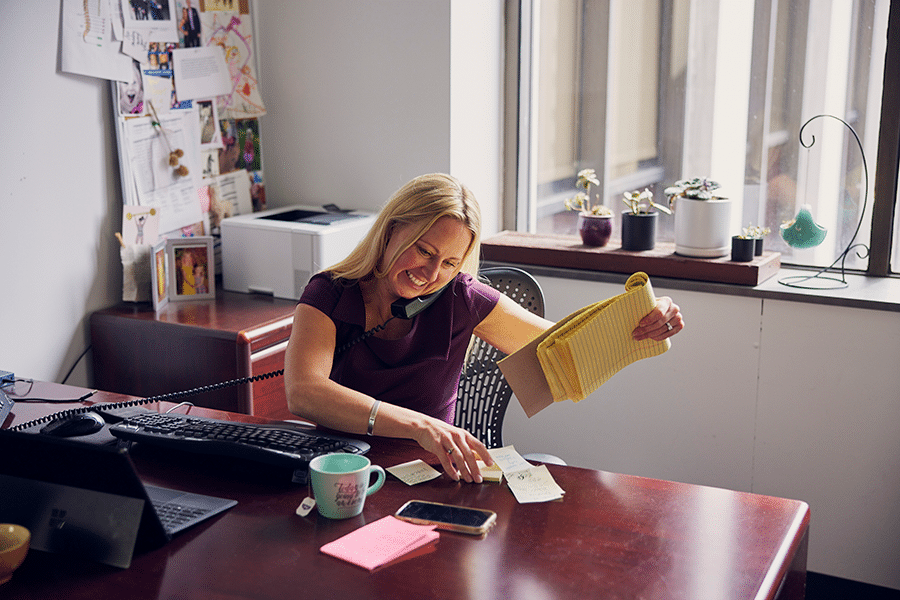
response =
{"points": [[419, 371]]}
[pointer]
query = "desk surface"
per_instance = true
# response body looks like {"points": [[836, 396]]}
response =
{"points": [[612, 536]]}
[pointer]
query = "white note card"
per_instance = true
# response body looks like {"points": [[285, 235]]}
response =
{"points": [[200, 72], [533, 485], [508, 459], [413, 472], [527, 482]]}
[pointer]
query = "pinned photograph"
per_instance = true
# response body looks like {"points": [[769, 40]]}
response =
{"points": [[210, 135], [131, 93]]}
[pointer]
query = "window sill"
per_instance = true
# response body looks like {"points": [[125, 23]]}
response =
{"points": [[565, 257], [569, 252]]}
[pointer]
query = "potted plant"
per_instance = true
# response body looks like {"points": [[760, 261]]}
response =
{"points": [[639, 221], [702, 218], [757, 234], [743, 247], [594, 220]]}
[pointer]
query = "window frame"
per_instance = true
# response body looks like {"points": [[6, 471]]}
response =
{"points": [[884, 198]]}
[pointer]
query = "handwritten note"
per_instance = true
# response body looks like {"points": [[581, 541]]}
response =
{"points": [[508, 459], [527, 483], [534, 485], [413, 472]]}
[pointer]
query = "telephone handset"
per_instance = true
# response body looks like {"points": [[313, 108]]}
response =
{"points": [[405, 308]]}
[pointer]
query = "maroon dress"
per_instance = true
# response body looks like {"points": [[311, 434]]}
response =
{"points": [[419, 371]]}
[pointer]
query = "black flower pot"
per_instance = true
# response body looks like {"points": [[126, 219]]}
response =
{"points": [[638, 231], [742, 249], [758, 247]]}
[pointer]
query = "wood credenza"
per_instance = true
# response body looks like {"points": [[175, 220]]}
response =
{"points": [[185, 345]]}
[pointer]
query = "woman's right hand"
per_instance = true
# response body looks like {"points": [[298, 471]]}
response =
{"points": [[457, 449]]}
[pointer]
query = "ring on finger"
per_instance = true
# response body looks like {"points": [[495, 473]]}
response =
{"points": [[450, 450], [669, 326]]}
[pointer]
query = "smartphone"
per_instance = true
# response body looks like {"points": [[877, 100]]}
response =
{"points": [[474, 521]]}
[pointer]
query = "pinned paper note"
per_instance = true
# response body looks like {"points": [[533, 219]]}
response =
{"points": [[383, 542], [140, 225], [200, 72], [413, 472]]}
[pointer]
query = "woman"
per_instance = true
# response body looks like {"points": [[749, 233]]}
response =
{"points": [[401, 380]]}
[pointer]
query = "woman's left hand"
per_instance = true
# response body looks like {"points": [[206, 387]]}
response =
{"points": [[664, 321]]}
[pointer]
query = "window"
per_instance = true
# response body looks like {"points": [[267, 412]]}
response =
{"points": [[650, 91]]}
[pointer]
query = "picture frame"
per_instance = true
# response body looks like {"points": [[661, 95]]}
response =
{"points": [[159, 269], [191, 268]]}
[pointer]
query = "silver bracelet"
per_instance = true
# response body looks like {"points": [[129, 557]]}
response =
{"points": [[372, 417]]}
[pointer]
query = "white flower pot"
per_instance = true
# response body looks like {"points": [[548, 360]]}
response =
{"points": [[702, 227]]}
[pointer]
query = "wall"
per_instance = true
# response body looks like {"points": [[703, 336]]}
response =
{"points": [[361, 97], [779, 398], [364, 96], [60, 203]]}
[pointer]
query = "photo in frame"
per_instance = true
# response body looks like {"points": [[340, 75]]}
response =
{"points": [[160, 275], [191, 268]]}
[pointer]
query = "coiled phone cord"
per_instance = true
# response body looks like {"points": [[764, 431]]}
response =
{"points": [[175, 396], [172, 396]]}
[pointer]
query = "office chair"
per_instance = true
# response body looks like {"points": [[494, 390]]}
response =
{"points": [[484, 393]]}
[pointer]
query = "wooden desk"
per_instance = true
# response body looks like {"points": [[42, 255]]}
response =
{"points": [[613, 536], [190, 344]]}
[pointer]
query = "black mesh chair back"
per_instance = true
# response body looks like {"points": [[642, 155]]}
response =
{"points": [[484, 393]]}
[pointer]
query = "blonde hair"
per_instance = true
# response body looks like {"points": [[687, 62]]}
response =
{"points": [[422, 201]]}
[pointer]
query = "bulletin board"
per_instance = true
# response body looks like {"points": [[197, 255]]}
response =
{"points": [[187, 121]]}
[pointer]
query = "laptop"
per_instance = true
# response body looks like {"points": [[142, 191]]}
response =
{"points": [[87, 500]]}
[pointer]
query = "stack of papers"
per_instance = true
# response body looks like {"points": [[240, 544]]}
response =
{"points": [[527, 482], [581, 352], [382, 542]]}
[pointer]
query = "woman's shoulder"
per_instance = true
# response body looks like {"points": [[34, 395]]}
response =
{"points": [[475, 290], [325, 291]]}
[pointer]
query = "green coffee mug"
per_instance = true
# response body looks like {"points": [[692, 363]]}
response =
{"points": [[340, 483]]}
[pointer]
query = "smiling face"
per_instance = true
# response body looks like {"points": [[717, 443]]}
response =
{"points": [[432, 260]]}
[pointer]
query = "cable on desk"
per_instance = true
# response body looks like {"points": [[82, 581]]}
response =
{"points": [[139, 401], [75, 364]]}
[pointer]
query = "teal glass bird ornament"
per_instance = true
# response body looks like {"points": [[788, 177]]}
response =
{"points": [[803, 231]]}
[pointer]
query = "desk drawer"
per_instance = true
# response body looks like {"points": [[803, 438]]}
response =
{"points": [[269, 399]]}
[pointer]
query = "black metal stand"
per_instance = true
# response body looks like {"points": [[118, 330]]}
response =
{"points": [[824, 279]]}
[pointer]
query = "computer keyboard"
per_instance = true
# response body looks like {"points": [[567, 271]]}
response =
{"points": [[281, 444], [175, 515]]}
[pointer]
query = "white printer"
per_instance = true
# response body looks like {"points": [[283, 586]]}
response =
{"points": [[276, 251]]}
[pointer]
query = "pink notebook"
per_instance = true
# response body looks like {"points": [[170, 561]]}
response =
{"points": [[382, 542]]}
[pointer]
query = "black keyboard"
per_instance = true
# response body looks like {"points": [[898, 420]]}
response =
{"points": [[175, 515], [281, 444]]}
